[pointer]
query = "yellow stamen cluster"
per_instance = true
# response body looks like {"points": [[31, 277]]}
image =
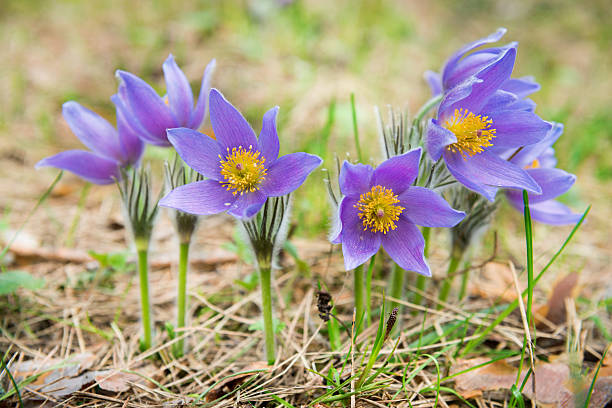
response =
{"points": [[472, 132], [378, 209], [242, 170], [534, 165]]}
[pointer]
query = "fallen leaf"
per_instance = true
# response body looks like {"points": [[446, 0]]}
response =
{"points": [[229, 384], [495, 282], [117, 381], [565, 288], [491, 377]]}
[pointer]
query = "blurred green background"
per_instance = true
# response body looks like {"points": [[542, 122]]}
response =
{"points": [[307, 57]]}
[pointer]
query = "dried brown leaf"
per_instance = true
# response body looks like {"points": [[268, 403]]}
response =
{"points": [[230, 384], [117, 381]]}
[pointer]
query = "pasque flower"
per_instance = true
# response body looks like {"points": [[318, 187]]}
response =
{"points": [[476, 120], [464, 63], [242, 170], [110, 149], [382, 207], [539, 161], [151, 115]]}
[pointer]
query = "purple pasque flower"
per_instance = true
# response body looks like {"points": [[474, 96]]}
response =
{"points": [[151, 115], [476, 121], [464, 63], [110, 149], [381, 207], [539, 161], [242, 170]]}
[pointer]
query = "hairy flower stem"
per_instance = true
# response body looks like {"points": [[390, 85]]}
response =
{"points": [[455, 259], [265, 275], [182, 294], [145, 300], [421, 280], [429, 105], [358, 289], [396, 287], [368, 288], [465, 278]]}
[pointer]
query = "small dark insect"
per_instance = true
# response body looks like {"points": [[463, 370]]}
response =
{"points": [[324, 305], [391, 322]]}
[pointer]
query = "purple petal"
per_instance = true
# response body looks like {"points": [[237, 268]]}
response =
{"points": [[424, 207], [198, 114], [405, 245], [553, 182], [247, 205], [434, 81], [288, 173], [526, 105], [484, 172], [521, 87], [93, 130], [131, 144], [230, 127], [199, 151], [87, 165], [437, 139], [202, 198], [147, 106], [399, 172], [355, 179], [549, 212], [518, 128], [346, 204], [358, 245], [492, 77], [470, 65], [180, 97], [121, 102], [454, 97], [452, 61], [268, 138], [529, 153], [499, 100], [554, 213]]}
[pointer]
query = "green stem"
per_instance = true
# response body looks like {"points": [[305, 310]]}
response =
{"points": [[465, 278], [368, 288], [265, 274], [421, 280], [333, 331], [143, 273], [358, 290], [529, 243], [182, 293], [450, 276], [429, 105], [396, 286], [356, 129]]}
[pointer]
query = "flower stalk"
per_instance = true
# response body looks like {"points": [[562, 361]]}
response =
{"points": [[358, 290], [145, 298]]}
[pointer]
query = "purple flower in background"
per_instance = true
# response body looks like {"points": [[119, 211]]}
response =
{"points": [[110, 149], [476, 121], [463, 64], [242, 170], [539, 161], [151, 115], [381, 207]]}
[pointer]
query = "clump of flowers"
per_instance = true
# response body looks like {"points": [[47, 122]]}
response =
{"points": [[151, 115], [242, 173]]}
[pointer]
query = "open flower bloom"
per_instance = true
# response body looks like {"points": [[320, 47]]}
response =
{"points": [[242, 170], [151, 115], [381, 207], [476, 120], [110, 149], [539, 161], [464, 63]]}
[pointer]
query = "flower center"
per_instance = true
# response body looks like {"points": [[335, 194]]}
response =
{"points": [[378, 209], [534, 164], [242, 170], [472, 132]]}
